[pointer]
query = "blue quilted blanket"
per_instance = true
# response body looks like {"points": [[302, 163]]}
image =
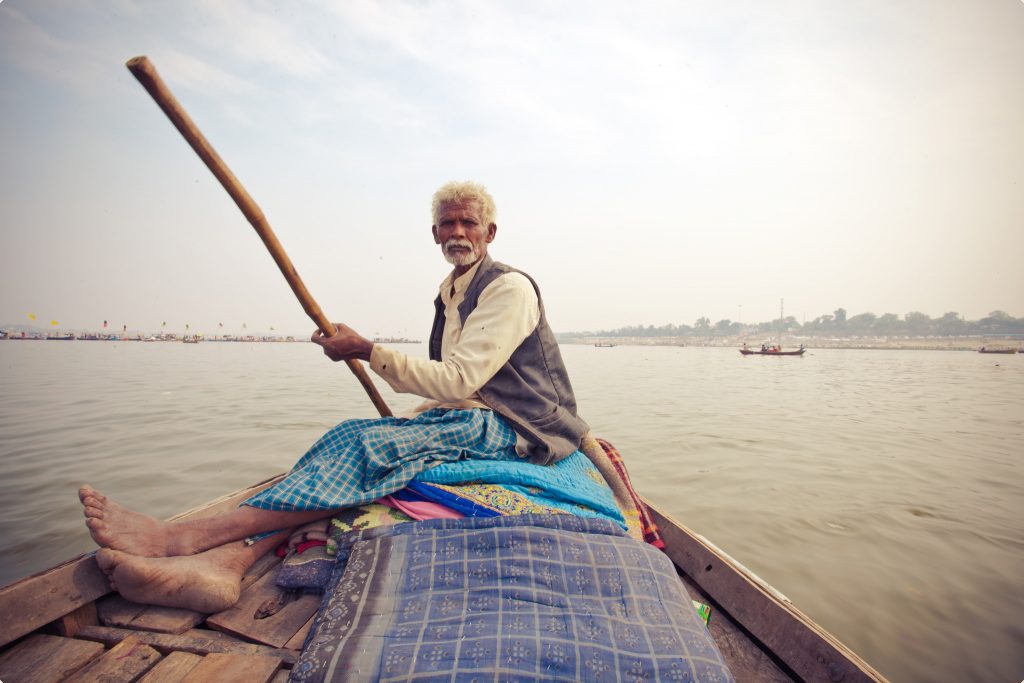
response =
{"points": [[526, 598]]}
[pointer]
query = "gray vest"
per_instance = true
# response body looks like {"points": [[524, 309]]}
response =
{"points": [[532, 390]]}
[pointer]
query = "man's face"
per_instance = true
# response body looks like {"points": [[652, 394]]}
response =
{"points": [[462, 235]]}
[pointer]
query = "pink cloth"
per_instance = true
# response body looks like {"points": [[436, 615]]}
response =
{"points": [[420, 509]]}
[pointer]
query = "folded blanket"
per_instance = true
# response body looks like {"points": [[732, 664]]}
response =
{"points": [[476, 500], [573, 484], [526, 598], [609, 463]]}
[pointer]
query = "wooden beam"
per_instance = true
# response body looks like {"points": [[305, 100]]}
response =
{"points": [[236, 669], [44, 658], [802, 645], [125, 662], [174, 668], [249, 619], [197, 641]]}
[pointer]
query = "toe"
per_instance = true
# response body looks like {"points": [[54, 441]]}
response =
{"points": [[92, 512]]}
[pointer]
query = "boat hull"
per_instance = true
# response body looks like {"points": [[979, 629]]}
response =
{"points": [[763, 637], [749, 352]]}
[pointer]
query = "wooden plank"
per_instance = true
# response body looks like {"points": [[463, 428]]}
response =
{"points": [[167, 619], [299, 639], [808, 650], [282, 676], [113, 610], [125, 662], [69, 624], [746, 660], [224, 668], [276, 629], [43, 597], [42, 658], [174, 668], [259, 568], [197, 641], [38, 600]]}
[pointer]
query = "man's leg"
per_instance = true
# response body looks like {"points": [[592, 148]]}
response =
{"points": [[115, 527], [208, 582]]}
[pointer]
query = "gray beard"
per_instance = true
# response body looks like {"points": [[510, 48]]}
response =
{"points": [[466, 259]]}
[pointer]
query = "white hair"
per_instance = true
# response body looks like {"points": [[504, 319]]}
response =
{"points": [[464, 191]]}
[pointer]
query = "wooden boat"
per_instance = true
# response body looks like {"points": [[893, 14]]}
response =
{"points": [[65, 621], [60, 337], [985, 349], [769, 352]]}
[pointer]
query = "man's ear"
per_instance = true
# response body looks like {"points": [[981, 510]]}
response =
{"points": [[433, 229], [492, 230]]}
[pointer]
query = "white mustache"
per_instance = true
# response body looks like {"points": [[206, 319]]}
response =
{"points": [[466, 244]]}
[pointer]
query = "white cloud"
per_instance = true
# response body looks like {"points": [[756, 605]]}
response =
{"points": [[262, 33], [183, 69]]}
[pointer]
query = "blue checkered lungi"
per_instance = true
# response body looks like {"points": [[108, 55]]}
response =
{"points": [[361, 460]]}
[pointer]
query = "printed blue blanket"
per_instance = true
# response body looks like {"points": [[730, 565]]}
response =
{"points": [[527, 598]]}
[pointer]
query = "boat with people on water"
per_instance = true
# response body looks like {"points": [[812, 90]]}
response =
{"points": [[774, 350], [587, 581], [986, 349]]}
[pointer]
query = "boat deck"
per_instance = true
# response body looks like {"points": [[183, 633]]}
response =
{"points": [[65, 624]]}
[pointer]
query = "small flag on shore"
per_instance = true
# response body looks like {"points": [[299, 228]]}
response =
{"points": [[31, 316], [104, 324], [54, 323]]}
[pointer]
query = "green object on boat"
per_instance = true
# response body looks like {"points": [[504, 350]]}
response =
{"points": [[704, 611]]}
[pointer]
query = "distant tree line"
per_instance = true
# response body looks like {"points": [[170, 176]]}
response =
{"points": [[913, 324]]}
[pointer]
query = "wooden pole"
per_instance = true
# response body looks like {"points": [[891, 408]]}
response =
{"points": [[146, 74]]}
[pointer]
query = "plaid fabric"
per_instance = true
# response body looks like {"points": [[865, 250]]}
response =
{"points": [[527, 598], [361, 460], [647, 525]]}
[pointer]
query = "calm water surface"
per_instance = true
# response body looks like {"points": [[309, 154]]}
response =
{"points": [[881, 491]]}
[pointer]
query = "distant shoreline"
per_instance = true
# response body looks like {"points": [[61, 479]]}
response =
{"points": [[858, 344]]}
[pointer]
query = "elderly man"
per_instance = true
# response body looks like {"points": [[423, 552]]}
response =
{"points": [[496, 389]]}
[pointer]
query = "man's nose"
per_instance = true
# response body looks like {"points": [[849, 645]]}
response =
{"points": [[458, 229]]}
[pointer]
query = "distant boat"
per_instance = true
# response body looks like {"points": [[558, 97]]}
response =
{"points": [[772, 351], [60, 337], [190, 340], [985, 349], [604, 345]]}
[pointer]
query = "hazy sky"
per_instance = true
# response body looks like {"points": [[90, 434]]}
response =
{"points": [[652, 162]]}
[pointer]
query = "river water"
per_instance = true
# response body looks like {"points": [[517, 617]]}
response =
{"points": [[881, 491]]}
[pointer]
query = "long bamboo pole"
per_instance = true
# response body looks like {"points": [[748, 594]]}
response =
{"points": [[146, 74]]}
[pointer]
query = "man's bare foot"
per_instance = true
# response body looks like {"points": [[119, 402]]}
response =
{"points": [[115, 526], [205, 583]]}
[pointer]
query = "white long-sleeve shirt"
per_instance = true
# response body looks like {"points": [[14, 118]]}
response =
{"points": [[507, 312]]}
